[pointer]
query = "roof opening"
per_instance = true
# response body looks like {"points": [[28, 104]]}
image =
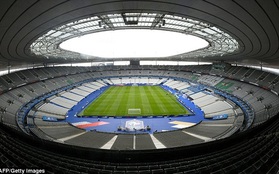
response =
{"points": [[134, 43]]}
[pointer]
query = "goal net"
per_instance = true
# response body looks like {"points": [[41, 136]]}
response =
{"points": [[134, 111]]}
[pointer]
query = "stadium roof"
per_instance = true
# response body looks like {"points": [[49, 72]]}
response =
{"points": [[237, 31]]}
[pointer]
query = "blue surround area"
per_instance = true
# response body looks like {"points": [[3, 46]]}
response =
{"points": [[156, 123]]}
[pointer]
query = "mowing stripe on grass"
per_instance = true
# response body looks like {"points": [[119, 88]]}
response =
{"points": [[145, 104]]}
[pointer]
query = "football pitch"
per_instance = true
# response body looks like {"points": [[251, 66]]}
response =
{"points": [[135, 101]]}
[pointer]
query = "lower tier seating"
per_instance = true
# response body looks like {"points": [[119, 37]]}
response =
{"points": [[256, 150]]}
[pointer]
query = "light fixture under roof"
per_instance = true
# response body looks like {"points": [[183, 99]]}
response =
{"points": [[130, 18], [134, 43], [220, 42]]}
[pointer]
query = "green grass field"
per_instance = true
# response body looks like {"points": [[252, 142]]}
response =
{"points": [[151, 100]]}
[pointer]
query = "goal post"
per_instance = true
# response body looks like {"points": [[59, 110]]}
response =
{"points": [[134, 111]]}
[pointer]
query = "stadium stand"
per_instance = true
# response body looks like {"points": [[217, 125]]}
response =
{"points": [[254, 150], [123, 139], [95, 85], [64, 102], [40, 114], [143, 141], [91, 139], [72, 96], [68, 90], [60, 131], [176, 138]]}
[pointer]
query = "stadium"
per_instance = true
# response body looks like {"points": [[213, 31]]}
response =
{"points": [[133, 87]]}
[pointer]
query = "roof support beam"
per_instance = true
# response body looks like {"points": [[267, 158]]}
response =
{"points": [[105, 20], [157, 20]]}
